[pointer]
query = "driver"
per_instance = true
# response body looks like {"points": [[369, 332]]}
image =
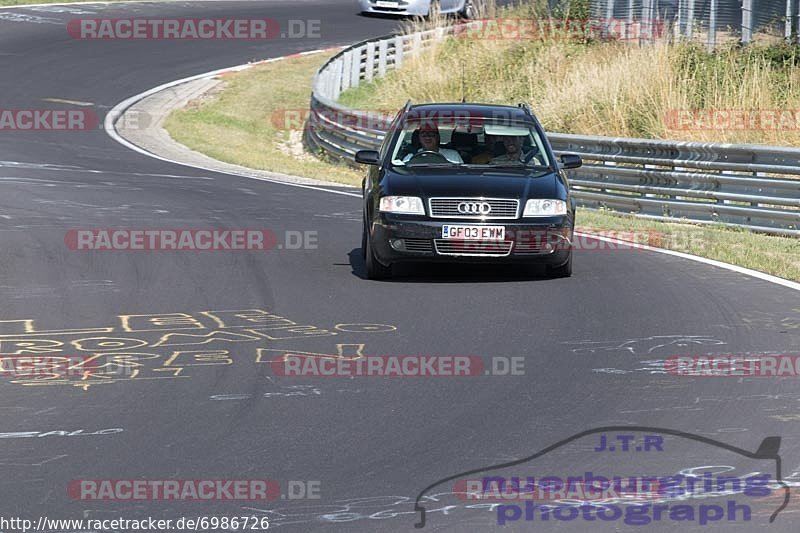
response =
{"points": [[514, 152], [429, 139]]}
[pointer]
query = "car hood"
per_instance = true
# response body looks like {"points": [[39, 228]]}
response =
{"points": [[429, 183]]}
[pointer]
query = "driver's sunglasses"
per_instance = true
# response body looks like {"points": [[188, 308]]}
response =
{"points": [[428, 134]]}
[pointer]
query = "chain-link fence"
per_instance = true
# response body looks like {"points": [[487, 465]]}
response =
{"points": [[713, 21]]}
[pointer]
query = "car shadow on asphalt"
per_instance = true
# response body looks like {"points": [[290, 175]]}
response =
{"points": [[452, 272]]}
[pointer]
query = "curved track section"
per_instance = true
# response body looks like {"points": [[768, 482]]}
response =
{"points": [[175, 346]]}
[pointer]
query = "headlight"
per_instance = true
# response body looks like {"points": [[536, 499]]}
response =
{"points": [[544, 208], [409, 205]]}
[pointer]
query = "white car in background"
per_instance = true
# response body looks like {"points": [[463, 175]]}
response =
{"points": [[423, 8]]}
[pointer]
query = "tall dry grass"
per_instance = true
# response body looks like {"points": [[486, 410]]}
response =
{"points": [[607, 87]]}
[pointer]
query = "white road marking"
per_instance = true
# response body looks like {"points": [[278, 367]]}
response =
{"points": [[21, 17], [30, 461], [120, 108], [741, 270], [71, 102], [37, 166]]}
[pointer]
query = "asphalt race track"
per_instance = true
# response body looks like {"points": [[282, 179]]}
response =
{"points": [[184, 389]]}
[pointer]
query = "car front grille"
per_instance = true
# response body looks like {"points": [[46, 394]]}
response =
{"points": [[473, 248], [400, 4], [501, 208], [420, 246]]}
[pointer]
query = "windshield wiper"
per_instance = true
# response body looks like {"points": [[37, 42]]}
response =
{"points": [[420, 165], [511, 165]]}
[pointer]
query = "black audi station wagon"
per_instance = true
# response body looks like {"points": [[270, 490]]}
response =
{"points": [[467, 183]]}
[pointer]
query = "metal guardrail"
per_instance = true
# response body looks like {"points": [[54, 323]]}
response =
{"points": [[752, 186]]}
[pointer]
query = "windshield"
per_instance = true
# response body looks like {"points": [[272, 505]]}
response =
{"points": [[469, 142]]}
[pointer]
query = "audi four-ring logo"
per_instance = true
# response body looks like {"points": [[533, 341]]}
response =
{"points": [[474, 208]]}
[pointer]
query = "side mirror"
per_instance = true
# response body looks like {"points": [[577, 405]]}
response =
{"points": [[368, 157], [571, 161]]}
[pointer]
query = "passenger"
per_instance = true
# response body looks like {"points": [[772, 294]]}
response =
{"points": [[514, 152], [429, 141]]}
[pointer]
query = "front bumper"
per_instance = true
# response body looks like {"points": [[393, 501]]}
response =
{"points": [[400, 7], [398, 239]]}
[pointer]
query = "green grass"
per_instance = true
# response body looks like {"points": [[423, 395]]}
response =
{"points": [[606, 87], [779, 256], [257, 121], [235, 125]]}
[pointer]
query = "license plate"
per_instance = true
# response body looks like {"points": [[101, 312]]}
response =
{"points": [[382, 3], [479, 233]]}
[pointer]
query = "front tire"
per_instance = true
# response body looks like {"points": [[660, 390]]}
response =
{"points": [[561, 271], [364, 238], [469, 12], [375, 270]]}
